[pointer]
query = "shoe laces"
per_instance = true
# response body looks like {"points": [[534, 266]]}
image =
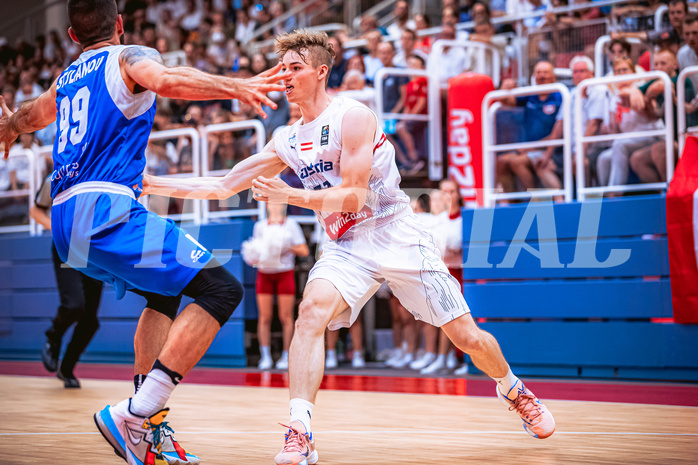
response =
{"points": [[158, 435], [525, 405], [295, 440]]}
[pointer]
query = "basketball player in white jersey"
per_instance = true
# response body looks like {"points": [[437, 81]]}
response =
{"points": [[351, 181]]}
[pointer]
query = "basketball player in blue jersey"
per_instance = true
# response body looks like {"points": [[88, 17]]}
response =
{"points": [[104, 105]]}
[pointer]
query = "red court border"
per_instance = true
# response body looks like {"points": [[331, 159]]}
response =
{"points": [[601, 391]]}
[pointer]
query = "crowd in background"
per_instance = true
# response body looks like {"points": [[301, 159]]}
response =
{"points": [[219, 36]]}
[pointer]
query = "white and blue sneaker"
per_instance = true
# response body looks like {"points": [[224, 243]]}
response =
{"points": [[537, 419], [141, 440]]}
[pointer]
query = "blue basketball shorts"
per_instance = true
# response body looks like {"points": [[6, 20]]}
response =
{"points": [[101, 230]]}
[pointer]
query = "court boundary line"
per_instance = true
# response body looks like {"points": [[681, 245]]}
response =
{"points": [[557, 433]]}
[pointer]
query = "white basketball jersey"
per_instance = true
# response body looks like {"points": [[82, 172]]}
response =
{"points": [[313, 150]]}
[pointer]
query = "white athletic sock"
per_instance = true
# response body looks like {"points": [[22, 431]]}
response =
{"points": [[506, 384], [284, 355], [301, 410], [331, 353], [265, 351], [153, 394]]}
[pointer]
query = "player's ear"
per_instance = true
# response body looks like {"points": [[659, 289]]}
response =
{"points": [[72, 35], [119, 25], [322, 72]]}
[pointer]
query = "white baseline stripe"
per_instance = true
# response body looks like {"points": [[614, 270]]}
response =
{"points": [[557, 433]]}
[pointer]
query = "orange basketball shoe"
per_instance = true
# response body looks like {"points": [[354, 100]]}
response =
{"points": [[299, 448], [537, 419]]}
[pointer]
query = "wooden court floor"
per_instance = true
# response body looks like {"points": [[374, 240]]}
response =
{"points": [[40, 422]]}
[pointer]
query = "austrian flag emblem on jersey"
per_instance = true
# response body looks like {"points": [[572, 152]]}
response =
{"points": [[306, 146]]}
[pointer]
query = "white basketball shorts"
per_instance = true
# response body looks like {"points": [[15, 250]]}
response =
{"points": [[401, 253]]}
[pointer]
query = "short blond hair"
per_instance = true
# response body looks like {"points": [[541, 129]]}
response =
{"points": [[307, 44]]}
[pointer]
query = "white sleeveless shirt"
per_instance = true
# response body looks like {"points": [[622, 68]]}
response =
{"points": [[313, 150]]}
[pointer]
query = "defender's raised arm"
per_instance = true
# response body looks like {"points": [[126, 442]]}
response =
{"points": [[142, 68]]}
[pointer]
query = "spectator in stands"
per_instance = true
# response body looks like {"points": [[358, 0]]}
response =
{"points": [[636, 16], [413, 133], [688, 54], [649, 163], [408, 41], [595, 113], [394, 89], [540, 114], [612, 164], [244, 27], [339, 67], [677, 11], [453, 58], [521, 7], [402, 20], [354, 87], [28, 88], [452, 254], [275, 243], [422, 22], [619, 47], [371, 61], [368, 24], [192, 18]]}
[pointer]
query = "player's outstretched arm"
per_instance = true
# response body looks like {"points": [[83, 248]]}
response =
{"points": [[31, 116], [358, 133], [142, 67], [264, 163]]}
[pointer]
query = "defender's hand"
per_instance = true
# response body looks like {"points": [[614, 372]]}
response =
{"points": [[7, 135], [253, 91]]}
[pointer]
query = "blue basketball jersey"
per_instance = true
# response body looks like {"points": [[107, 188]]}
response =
{"points": [[102, 128]]}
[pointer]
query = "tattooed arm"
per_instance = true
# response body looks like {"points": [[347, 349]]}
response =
{"points": [[142, 68], [31, 116]]}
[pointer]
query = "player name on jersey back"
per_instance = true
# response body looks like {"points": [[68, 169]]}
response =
{"points": [[80, 71]]}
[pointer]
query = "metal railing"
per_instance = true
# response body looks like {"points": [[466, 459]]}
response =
{"points": [[299, 11], [581, 139], [382, 116], [29, 191], [434, 98], [683, 130], [205, 168], [490, 148], [195, 214], [599, 49]]}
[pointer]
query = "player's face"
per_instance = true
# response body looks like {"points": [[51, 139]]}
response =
{"points": [[303, 79]]}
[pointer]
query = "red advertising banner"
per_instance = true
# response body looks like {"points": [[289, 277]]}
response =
{"points": [[682, 233], [465, 95]]}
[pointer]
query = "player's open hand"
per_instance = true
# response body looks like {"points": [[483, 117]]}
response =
{"points": [[255, 89], [273, 190], [7, 134]]}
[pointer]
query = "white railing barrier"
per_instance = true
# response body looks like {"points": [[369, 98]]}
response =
{"points": [[434, 97], [580, 139], [434, 158], [29, 191], [599, 49], [205, 168], [176, 58], [191, 133], [681, 110], [490, 148]]}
